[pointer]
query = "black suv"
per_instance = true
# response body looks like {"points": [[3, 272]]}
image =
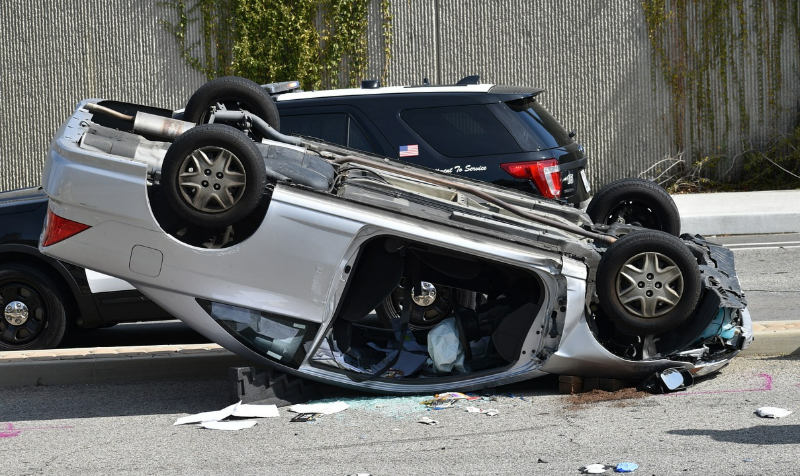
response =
{"points": [[498, 134], [42, 297]]}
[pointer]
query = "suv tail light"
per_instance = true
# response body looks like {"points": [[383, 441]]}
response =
{"points": [[544, 173], [58, 229]]}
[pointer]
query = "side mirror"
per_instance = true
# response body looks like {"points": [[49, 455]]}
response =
{"points": [[666, 381]]}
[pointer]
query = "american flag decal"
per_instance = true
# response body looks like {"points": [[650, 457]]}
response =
{"points": [[409, 150]]}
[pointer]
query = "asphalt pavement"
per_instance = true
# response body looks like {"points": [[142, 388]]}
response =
{"points": [[706, 214], [127, 429]]}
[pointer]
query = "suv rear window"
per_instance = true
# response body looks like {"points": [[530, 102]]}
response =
{"points": [[461, 131], [544, 126]]}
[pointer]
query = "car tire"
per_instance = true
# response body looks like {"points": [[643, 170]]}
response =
{"points": [[441, 308], [638, 202], [34, 315], [648, 282], [213, 176], [234, 93]]}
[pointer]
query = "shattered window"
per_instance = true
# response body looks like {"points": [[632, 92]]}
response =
{"points": [[278, 338]]}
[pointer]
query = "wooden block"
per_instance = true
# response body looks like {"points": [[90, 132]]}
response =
{"points": [[569, 384]]}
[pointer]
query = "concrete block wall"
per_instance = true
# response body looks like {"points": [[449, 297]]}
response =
{"points": [[593, 58]]}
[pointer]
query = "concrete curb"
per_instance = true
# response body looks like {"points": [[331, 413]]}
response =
{"points": [[739, 213], [104, 365]]}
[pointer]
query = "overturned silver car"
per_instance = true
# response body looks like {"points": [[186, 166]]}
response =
{"points": [[278, 248]]}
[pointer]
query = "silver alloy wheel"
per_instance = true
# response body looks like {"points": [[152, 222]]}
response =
{"points": [[16, 313], [649, 285], [212, 179]]}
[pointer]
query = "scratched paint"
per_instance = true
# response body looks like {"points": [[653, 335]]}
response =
{"points": [[10, 431]]}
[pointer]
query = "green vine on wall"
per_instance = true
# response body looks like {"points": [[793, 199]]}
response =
{"points": [[321, 43], [702, 49]]}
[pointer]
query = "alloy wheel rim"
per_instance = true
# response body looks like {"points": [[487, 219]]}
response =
{"points": [[212, 179], [649, 285]]}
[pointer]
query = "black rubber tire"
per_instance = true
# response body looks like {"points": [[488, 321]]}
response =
{"points": [[178, 188], [391, 307], [635, 201], [235, 93], [47, 318], [611, 284]]}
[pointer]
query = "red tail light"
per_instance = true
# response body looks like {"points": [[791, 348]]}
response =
{"points": [[544, 173], [58, 229]]}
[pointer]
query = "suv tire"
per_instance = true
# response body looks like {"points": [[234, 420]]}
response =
{"points": [[234, 93], [33, 309], [638, 202]]}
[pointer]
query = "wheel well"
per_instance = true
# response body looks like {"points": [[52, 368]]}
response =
{"points": [[70, 303]]}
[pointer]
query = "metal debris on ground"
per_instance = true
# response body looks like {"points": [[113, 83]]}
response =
{"points": [[772, 412]]}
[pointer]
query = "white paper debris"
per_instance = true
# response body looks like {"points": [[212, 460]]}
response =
{"points": [[324, 408], [256, 411], [231, 425], [237, 410], [489, 411], [772, 412], [208, 416], [428, 421]]}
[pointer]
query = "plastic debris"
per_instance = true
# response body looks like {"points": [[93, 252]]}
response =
{"points": [[595, 468], [428, 421], [772, 412], [441, 401], [323, 408], [626, 467]]}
